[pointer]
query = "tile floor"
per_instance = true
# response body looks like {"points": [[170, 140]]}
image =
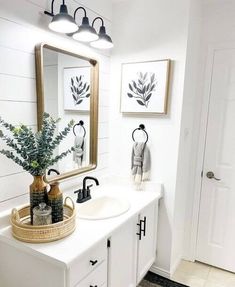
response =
{"points": [[202, 275]]}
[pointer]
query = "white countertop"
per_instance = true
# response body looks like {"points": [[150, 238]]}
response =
{"points": [[88, 232]]}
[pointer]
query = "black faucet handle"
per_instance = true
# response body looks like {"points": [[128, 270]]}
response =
{"points": [[80, 195], [78, 191], [89, 191]]}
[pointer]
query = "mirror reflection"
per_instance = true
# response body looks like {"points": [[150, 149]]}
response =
{"points": [[68, 93]]}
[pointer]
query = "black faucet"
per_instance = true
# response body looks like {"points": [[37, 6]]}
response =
{"points": [[84, 193]]}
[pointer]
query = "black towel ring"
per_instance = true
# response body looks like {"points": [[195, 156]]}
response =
{"points": [[81, 123], [140, 128]]}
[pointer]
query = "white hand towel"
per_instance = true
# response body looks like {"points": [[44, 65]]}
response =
{"points": [[140, 162]]}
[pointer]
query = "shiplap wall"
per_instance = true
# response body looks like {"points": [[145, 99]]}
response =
{"points": [[22, 26]]}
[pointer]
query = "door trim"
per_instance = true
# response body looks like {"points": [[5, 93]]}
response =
{"points": [[205, 104]]}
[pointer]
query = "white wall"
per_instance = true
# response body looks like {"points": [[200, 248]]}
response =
{"points": [[22, 26], [142, 31], [185, 167], [218, 31]]}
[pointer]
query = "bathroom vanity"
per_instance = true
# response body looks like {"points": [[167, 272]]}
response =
{"points": [[114, 251]]}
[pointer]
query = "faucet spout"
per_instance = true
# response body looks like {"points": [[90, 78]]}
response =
{"points": [[89, 178]]}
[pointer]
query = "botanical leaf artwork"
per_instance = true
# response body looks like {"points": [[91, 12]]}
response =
{"points": [[141, 89], [80, 89]]}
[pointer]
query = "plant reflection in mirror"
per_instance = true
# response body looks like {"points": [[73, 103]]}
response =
{"points": [[142, 88], [34, 151], [80, 90]]}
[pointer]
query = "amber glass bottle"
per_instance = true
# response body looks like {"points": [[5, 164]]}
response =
{"points": [[55, 200], [38, 193]]}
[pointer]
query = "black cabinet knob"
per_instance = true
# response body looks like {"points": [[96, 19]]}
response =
{"points": [[93, 262]]}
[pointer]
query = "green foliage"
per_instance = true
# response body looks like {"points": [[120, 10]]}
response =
{"points": [[34, 151]]}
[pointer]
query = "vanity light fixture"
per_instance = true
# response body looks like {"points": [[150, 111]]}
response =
{"points": [[61, 22], [86, 32], [104, 41], [65, 23]]}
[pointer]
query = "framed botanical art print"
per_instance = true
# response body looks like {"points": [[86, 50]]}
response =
{"points": [[77, 88], [145, 87]]}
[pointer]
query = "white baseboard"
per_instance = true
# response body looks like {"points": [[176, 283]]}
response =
{"points": [[160, 271]]}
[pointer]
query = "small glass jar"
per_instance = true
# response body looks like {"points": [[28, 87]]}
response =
{"points": [[42, 214]]}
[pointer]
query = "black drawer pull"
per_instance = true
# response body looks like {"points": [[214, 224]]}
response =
{"points": [[93, 286], [93, 262], [144, 222], [140, 229]]}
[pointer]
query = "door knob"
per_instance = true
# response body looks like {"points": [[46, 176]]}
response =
{"points": [[210, 175]]}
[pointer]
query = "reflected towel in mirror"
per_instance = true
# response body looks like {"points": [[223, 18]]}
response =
{"points": [[140, 162], [79, 153]]}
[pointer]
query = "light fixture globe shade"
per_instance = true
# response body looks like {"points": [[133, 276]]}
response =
{"points": [[63, 22], [104, 41], [85, 33]]}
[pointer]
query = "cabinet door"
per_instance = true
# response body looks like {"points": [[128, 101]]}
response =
{"points": [[122, 256], [147, 228], [97, 278], [88, 262]]}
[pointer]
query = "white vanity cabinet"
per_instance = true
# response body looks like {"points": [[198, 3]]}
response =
{"points": [[147, 233], [21, 269], [133, 248], [85, 259]]}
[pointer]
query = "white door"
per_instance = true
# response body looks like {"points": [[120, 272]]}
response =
{"points": [[216, 230], [147, 230]]}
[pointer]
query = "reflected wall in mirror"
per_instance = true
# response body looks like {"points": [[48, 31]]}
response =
{"points": [[67, 88]]}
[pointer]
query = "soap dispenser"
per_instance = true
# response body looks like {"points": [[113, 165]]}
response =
{"points": [[55, 200]]}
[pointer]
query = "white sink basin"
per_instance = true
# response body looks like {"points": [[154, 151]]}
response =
{"points": [[103, 207]]}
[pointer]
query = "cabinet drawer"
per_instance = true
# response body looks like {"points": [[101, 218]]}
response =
{"points": [[97, 278], [88, 262]]}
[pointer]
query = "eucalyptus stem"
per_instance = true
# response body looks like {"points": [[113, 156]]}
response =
{"points": [[34, 151]]}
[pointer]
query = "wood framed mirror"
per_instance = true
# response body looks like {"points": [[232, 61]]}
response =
{"points": [[67, 88]]}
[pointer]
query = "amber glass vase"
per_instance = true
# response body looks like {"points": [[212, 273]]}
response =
{"points": [[38, 193]]}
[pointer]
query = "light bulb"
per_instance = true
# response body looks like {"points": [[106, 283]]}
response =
{"points": [[63, 26], [102, 44], [85, 36]]}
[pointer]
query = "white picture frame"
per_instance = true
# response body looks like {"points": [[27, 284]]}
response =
{"points": [[144, 87], [77, 88]]}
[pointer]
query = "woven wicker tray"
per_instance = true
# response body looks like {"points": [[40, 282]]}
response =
{"points": [[24, 231]]}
